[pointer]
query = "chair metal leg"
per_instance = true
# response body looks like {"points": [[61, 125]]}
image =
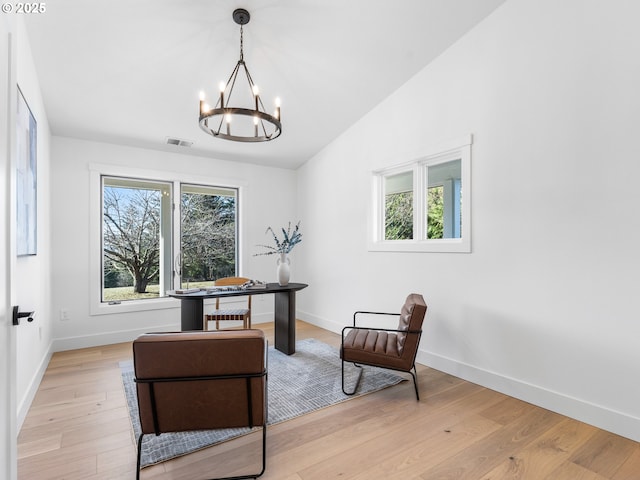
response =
{"points": [[415, 381], [357, 380], [139, 456]]}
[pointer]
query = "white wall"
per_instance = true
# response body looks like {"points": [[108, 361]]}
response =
{"points": [[268, 199], [31, 279], [544, 306]]}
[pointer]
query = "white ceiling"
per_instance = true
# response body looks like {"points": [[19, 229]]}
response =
{"points": [[130, 71]]}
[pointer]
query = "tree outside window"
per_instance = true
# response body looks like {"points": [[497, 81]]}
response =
{"points": [[138, 230], [208, 234], [131, 239], [398, 206]]}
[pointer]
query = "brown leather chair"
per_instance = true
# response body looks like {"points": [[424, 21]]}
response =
{"points": [[393, 349], [198, 380], [223, 314]]}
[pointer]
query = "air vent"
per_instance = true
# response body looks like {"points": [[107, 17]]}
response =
{"points": [[178, 142]]}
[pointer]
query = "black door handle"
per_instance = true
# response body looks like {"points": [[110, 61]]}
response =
{"points": [[17, 315]]}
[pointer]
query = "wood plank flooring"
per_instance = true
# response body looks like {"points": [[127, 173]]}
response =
{"points": [[78, 428]]}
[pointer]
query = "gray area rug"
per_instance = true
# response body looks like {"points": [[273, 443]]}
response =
{"points": [[297, 384]]}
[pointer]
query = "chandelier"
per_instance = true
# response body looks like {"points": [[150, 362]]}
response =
{"points": [[248, 121]]}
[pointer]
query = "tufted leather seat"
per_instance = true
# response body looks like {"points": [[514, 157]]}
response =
{"points": [[201, 381], [394, 349]]}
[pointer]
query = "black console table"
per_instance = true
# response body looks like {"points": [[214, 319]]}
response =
{"points": [[192, 312]]}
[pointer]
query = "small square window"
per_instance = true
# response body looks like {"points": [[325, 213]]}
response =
{"points": [[420, 206]]}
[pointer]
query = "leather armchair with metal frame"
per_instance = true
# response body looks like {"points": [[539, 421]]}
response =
{"points": [[196, 380], [394, 349]]}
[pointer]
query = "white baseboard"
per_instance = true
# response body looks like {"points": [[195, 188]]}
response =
{"points": [[599, 416], [108, 338], [322, 322], [25, 403]]}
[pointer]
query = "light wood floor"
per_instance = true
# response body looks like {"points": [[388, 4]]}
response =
{"points": [[78, 428]]}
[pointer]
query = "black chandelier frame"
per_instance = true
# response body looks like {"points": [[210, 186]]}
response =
{"points": [[215, 121]]}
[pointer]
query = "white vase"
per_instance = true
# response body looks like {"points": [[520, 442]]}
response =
{"points": [[284, 270]]}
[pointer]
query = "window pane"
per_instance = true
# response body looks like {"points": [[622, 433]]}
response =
{"points": [[435, 203], [132, 219], [398, 206], [444, 200], [208, 232]]}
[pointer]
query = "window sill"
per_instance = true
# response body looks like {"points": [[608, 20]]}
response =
{"points": [[129, 306], [425, 246]]}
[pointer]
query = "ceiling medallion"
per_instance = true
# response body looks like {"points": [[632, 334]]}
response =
{"points": [[248, 121]]}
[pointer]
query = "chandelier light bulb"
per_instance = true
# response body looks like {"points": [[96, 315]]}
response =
{"points": [[256, 92], [277, 115], [222, 87], [201, 102]]}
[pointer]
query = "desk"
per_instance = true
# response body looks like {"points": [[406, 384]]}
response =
{"points": [[192, 313]]}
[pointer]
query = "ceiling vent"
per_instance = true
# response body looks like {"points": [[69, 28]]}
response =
{"points": [[178, 142]]}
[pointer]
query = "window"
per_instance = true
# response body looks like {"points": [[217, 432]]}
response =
{"points": [[398, 206], [424, 205], [135, 219], [208, 240], [444, 200], [159, 234]]}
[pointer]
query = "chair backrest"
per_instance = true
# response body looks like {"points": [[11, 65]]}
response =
{"points": [[411, 317], [229, 281], [200, 380], [226, 281]]}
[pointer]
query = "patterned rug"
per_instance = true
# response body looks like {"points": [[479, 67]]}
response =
{"points": [[298, 384]]}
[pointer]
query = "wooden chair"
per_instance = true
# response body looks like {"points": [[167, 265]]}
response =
{"points": [[225, 314], [198, 380], [386, 348]]}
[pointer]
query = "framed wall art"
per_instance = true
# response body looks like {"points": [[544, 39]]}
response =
{"points": [[26, 179]]}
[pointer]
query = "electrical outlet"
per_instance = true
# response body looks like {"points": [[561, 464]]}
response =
{"points": [[64, 315]]}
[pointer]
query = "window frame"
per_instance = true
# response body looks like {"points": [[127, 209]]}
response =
{"points": [[96, 172], [456, 150]]}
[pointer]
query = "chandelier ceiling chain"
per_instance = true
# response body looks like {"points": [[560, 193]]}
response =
{"points": [[248, 121]]}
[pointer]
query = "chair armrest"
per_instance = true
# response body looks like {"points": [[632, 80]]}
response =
{"points": [[371, 313]]}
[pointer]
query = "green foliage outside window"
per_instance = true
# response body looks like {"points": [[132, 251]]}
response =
{"points": [[435, 212], [208, 237], [398, 216]]}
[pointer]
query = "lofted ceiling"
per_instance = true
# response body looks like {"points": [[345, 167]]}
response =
{"points": [[130, 71]]}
